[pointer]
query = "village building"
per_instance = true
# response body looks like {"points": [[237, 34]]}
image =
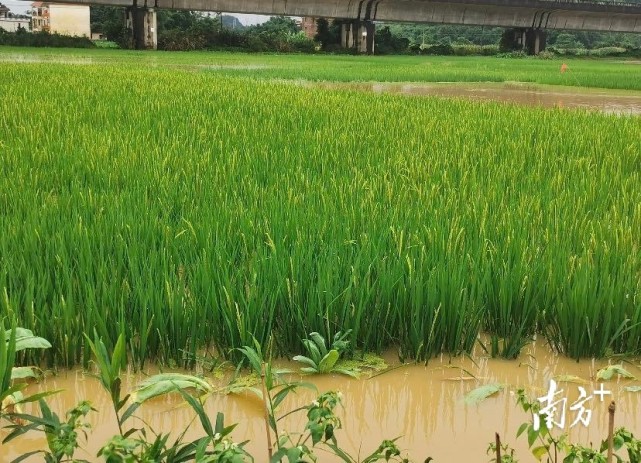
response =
{"points": [[11, 23], [61, 19]]}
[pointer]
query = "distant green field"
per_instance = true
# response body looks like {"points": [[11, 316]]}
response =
{"points": [[611, 74], [186, 207]]}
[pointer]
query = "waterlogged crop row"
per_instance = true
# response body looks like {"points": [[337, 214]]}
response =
{"points": [[189, 210]]}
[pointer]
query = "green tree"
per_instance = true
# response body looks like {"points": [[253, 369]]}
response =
{"points": [[388, 43], [328, 33], [566, 41], [277, 25], [110, 22], [508, 42]]}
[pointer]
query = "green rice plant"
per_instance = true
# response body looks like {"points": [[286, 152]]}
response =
{"points": [[252, 208], [511, 297]]}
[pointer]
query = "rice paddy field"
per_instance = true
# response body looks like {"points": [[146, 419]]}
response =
{"points": [[199, 200]]}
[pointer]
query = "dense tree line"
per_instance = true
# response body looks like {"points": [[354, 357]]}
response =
{"points": [[467, 35], [188, 30], [24, 38]]}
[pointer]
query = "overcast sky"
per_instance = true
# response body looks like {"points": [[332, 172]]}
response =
{"points": [[16, 6], [248, 19], [20, 6]]}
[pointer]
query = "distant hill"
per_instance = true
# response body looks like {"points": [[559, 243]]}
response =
{"points": [[231, 22]]}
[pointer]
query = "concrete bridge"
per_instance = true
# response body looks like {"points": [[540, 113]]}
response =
{"points": [[529, 19]]}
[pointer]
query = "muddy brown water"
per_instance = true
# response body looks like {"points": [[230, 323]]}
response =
{"points": [[422, 404], [618, 103]]}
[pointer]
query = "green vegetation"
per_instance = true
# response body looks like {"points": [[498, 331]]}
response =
{"points": [[136, 444], [12, 344], [322, 425], [142, 444], [187, 30], [320, 359], [608, 74], [23, 38], [62, 436], [425, 34], [583, 73], [186, 209], [555, 447], [190, 31]]}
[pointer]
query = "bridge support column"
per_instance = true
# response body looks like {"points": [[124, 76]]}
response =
{"points": [[368, 34], [359, 35], [531, 41], [535, 41], [347, 35], [143, 26]]}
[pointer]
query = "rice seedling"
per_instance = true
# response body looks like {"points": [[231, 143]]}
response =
{"points": [[187, 210]]}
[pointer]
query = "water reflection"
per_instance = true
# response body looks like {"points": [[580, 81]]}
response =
{"points": [[608, 103]]}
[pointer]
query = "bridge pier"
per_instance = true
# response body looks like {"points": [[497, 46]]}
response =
{"points": [[535, 41], [359, 35], [347, 35], [532, 41], [368, 35], [143, 26]]}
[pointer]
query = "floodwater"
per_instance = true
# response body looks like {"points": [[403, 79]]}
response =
{"points": [[514, 93], [422, 404]]}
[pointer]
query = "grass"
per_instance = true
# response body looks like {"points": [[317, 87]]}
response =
{"points": [[187, 209]]}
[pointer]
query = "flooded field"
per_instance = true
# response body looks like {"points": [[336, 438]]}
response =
{"points": [[423, 404], [215, 206], [514, 93]]}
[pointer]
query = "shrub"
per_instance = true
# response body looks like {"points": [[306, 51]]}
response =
{"points": [[547, 54], [439, 49], [177, 41], [475, 50], [513, 54], [43, 39], [608, 51]]}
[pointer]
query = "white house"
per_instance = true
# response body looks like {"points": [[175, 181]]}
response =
{"points": [[61, 19], [10, 23]]}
